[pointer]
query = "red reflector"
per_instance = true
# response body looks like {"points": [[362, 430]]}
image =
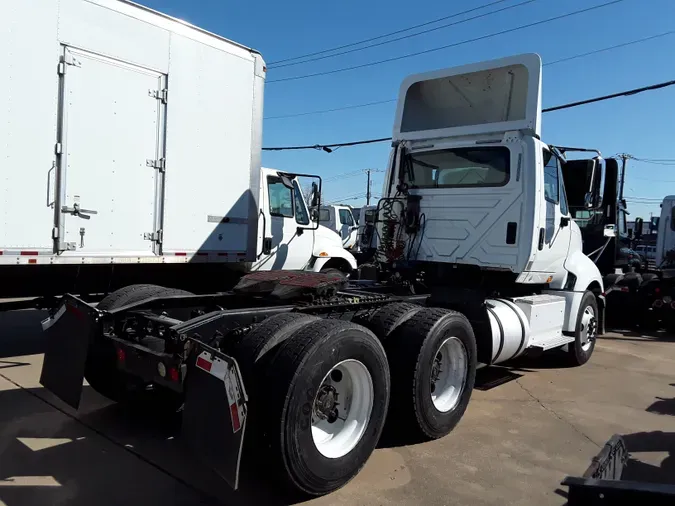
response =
{"points": [[657, 290], [202, 254], [0, 252], [121, 355], [173, 374], [241, 254], [204, 364], [32, 260], [236, 423], [625, 289], [222, 254], [180, 254], [28, 253]]}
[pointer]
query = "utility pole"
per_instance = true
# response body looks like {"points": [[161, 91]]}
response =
{"points": [[368, 188], [623, 157]]}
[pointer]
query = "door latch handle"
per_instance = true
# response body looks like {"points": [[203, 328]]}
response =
{"points": [[77, 211]]}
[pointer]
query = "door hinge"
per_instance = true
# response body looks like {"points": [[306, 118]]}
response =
{"points": [[58, 148], [154, 236], [156, 164], [67, 60], [162, 94]]}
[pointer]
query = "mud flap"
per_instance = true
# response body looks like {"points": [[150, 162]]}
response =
{"points": [[214, 414], [68, 333]]}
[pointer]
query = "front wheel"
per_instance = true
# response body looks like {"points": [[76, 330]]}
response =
{"points": [[327, 399], [586, 331]]}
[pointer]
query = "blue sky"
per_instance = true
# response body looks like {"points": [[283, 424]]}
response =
{"points": [[642, 125]]}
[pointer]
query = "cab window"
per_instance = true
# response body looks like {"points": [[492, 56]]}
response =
{"points": [[551, 179], [346, 217], [281, 198]]}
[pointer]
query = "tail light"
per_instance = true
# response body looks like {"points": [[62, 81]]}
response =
{"points": [[173, 374], [121, 355]]}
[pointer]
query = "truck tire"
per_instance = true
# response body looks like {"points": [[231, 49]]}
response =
{"points": [[648, 276], [611, 279], [428, 398], [586, 331], [329, 371], [331, 271], [101, 370], [387, 318], [252, 353], [632, 280]]}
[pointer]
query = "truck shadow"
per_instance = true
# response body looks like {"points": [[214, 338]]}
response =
{"points": [[663, 406], [21, 333], [639, 336], [107, 456]]}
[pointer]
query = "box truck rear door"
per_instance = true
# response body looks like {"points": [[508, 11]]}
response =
{"points": [[112, 114]]}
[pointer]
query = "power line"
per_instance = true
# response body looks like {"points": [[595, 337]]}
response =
{"points": [[409, 36], [666, 162], [555, 62], [635, 91], [447, 46], [403, 30]]}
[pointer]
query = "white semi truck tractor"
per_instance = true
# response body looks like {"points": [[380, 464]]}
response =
{"points": [[478, 261]]}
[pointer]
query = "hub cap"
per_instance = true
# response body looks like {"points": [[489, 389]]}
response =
{"points": [[448, 374], [589, 328], [342, 409]]}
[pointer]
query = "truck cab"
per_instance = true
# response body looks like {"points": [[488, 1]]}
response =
{"points": [[489, 192], [340, 219], [288, 237], [475, 202]]}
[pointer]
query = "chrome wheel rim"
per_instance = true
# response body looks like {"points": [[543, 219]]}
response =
{"points": [[448, 374]]}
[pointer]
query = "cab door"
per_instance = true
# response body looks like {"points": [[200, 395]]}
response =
{"points": [[287, 216], [554, 232], [347, 227]]}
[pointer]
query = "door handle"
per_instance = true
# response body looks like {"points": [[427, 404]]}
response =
{"points": [[79, 212]]}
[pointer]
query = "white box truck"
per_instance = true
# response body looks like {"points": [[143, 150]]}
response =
{"points": [[478, 262], [133, 154]]}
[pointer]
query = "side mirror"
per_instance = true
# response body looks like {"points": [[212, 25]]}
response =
{"points": [[609, 231], [564, 221], [316, 196], [314, 214], [639, 223]]}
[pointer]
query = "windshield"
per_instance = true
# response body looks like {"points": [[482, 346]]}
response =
{"points": [[587, 218], [487, 166]]}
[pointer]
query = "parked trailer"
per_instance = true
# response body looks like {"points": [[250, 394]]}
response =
{"points": [[478, 261], [133, 155]]}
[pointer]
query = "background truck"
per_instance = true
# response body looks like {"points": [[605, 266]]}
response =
{"points": [[478, 261], [340, 220], [133, 156]]}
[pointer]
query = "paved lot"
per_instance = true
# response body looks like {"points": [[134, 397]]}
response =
{"points": [[514, 445]]}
